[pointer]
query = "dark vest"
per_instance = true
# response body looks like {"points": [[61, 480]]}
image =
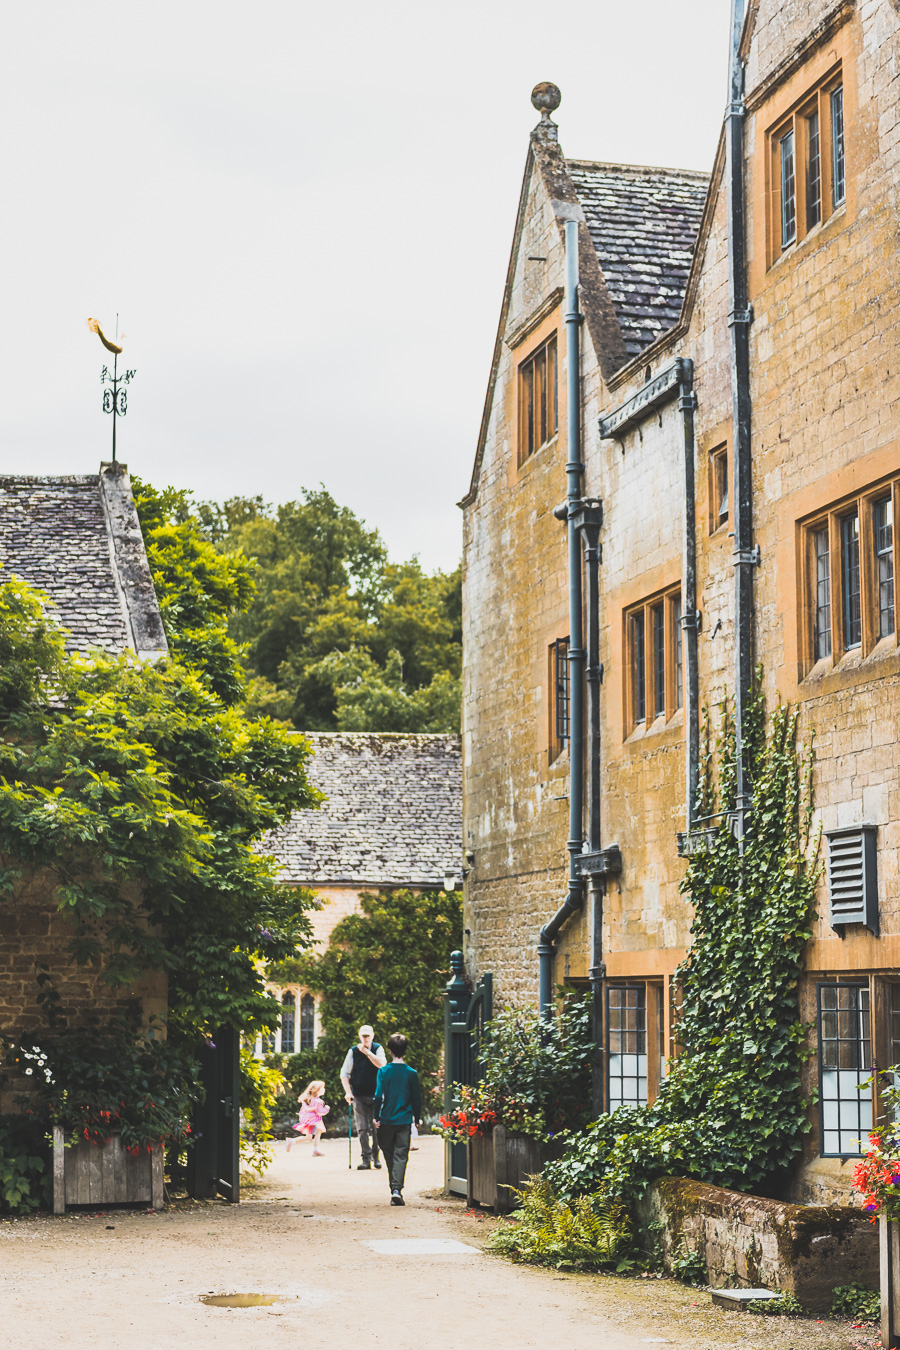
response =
{"points": [[363, 1074]]}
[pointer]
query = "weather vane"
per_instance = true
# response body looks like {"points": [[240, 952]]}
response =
{"points": [[115, 400]]}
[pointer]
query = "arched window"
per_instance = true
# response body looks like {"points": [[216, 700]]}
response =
{"points": [[307, 1022], [288, 1022]]}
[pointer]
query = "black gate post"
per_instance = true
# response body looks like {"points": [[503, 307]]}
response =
{"points": [[465, 1016], [457, 1064]]}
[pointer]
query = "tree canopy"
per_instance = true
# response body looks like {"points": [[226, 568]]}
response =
{"points": [[142, 790], [386, 965], [337, 636]]}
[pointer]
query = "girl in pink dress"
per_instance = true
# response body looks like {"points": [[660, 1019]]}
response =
{"points": [[312, 1112]]}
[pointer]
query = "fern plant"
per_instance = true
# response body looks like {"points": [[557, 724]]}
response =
{"points": [[592, 1233]]}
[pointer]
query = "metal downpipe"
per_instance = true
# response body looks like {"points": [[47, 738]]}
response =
{"points": [[739, 318], [690, 617], [591, 519], [576, 656]]}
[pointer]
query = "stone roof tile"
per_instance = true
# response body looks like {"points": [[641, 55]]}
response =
{"points": [[77, 539], [393, 814], [643, 223]]}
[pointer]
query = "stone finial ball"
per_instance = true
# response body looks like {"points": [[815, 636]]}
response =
{"points": [[546, 97]]}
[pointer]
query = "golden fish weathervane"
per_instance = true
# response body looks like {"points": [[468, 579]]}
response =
{"points": [[115, 400]]}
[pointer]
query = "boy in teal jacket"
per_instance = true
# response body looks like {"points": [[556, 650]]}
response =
{"points": [[398, 1102]]}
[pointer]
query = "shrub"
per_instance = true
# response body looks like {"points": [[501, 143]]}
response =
{"points": [[24, 1173], [689, 1266], [106, 1079], [592, 1234], [386, 965], [261, 1087], [856, 1302], [785, 1305]]}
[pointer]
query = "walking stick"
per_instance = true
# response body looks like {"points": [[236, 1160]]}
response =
{"points": [[349, 1136]]}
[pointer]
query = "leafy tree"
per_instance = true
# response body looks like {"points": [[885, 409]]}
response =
{"points": [[338, 637], [386, 965], [142, 791]]}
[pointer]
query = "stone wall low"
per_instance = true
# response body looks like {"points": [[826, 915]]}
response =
{"points": [[750, 1242]]}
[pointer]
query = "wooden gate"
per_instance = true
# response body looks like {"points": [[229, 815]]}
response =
{"points": [[214, 1160], [466, 1012]]}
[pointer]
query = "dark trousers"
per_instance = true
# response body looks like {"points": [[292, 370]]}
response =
{"points": [[364, 1120], [394, 1141]]}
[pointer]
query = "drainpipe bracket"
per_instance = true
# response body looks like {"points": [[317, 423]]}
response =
{"points": [[742, 316], [748, 557], [694, 841], [692, 623], [606, 862], [688, 402]]}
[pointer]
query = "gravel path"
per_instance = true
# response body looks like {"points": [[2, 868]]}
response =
{"points": [[303, 1234]]}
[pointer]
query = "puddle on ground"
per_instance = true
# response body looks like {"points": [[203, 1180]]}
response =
{"points": [[241, 1300]]}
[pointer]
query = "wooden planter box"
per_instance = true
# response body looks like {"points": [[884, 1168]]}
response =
{"points": [[104, 1174], [889, 1251], [498, 1161]]}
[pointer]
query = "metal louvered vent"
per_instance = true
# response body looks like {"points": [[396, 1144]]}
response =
{"points": [[852, 884]]}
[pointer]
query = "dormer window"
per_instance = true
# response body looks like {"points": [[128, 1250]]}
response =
{"points": [[538, 400]]}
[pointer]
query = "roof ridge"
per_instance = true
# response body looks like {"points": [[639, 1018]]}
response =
{"points": [[383, 735], [699, 174]]}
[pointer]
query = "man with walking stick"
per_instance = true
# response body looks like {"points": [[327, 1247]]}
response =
{"points": [[359, 1073]]}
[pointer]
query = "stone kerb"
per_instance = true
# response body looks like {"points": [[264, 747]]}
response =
{"points": [[749, 1241]]}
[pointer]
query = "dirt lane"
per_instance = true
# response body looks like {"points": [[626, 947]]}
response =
{"points": [[89, 1281]]}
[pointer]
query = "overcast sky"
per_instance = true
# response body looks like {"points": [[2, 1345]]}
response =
{"points": [[302, 214]]}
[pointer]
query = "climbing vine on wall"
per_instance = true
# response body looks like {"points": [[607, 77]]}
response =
{"points": [[732, 1110]]}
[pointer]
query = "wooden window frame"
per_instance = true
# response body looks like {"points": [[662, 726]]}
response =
{"points": [[719, 463], [863, 1102], [816, 109], [666, 699], [557, 742], [654, 1032], [527, 374], [831, 520]]}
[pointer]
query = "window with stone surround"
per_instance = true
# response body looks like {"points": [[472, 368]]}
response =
{"points": [[718, 488], [653, 646], [558, 683], [806, 165], [307, 1022], [635, 1042], [288, 1023], [845, 1062], [538, 411], [849, 565]]}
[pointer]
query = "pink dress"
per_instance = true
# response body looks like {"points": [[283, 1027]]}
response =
{"points": [[311, 1114]]}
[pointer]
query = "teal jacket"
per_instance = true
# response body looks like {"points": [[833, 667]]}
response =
{"points": [[398, 1098]]}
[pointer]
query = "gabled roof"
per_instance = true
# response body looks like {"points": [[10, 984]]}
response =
{"points": [[643, 223], [77, 538], [637, 232], [393, 814]]}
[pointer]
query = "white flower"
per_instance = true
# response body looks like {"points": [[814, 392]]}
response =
{"points": [[29, 1070]]}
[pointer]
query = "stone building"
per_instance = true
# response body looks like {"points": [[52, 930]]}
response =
{"points": [[738, 346], [391, 820], [76, 538]]}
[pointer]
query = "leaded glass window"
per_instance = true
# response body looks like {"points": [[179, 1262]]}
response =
{"points": [[626, 1045], [288, 1023], [883, 521], [307, 1022], [845, 1061]]}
